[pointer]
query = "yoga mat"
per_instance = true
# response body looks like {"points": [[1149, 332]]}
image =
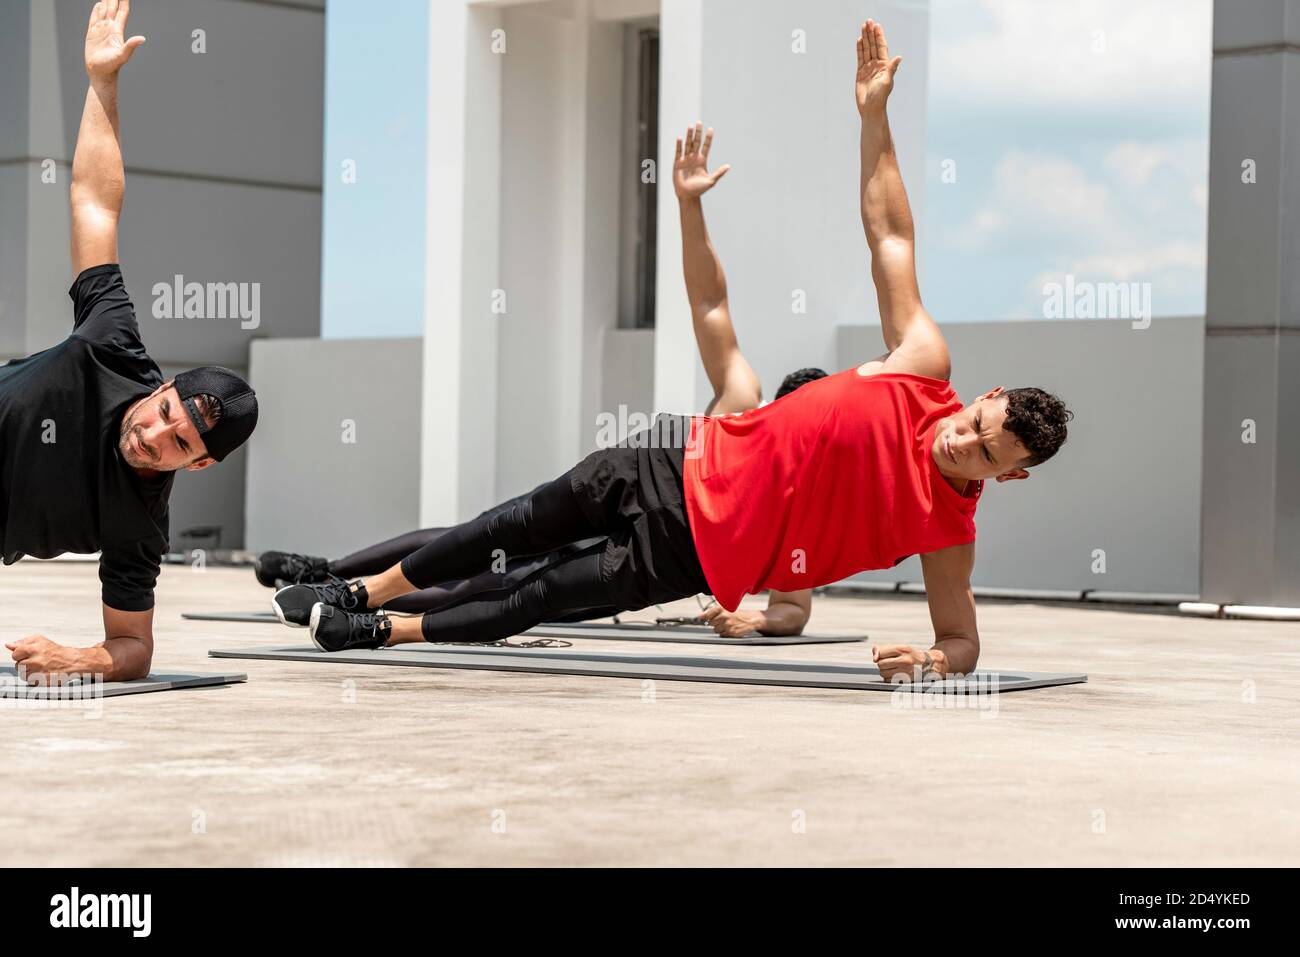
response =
{"points": [[12, 687], [259, 617], [793, 674], [627, 631], [686, 634]]}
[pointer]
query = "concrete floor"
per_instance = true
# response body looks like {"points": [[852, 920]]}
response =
{"points": [[1183, 749]]}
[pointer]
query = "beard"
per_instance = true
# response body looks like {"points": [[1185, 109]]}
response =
{"points": [[127, 448]]}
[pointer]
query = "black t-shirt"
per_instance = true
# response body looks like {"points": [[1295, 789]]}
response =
{"points": [[64, 486]]}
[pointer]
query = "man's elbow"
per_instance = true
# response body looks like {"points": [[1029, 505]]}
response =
{"points": [[130, 673], [968, 658], [785, 620], [130, 657], [98, 204], [132, 667], [888, 244]]}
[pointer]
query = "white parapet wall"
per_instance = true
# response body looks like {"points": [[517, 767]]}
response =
{"points": [[335, 462], [1118, 509]]}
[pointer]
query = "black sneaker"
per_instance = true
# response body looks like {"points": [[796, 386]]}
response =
{"points": [[335, 630], [293, 603], [277, 569]]}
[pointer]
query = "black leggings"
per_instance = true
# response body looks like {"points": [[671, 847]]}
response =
{"points": [[380, 557], [546, 519]]}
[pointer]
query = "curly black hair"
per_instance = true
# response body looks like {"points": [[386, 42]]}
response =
{"points": [[209, 407], [1037, 419], [797, 378]]}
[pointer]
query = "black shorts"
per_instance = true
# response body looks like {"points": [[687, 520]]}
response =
{"points": [[634, 493]]}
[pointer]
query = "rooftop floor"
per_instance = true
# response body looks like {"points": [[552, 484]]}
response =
{"points": [[1182, 749]]}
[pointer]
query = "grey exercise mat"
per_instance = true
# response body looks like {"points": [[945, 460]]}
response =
{"points": [[794, 674], [686, 634], [12, 687], [261, 617]]}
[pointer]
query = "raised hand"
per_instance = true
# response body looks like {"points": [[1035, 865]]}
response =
{"points": [[106, 48], [876, 70], [691, 176]]}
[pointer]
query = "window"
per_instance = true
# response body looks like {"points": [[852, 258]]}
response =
{"points": [[639, 210]]}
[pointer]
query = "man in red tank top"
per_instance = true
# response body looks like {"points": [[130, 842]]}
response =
{"points": [[869, 466], [851, 472]]}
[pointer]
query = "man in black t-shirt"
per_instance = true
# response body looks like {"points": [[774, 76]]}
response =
{"points": [[90, 433]]}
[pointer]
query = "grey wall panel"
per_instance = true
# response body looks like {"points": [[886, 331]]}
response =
{"points": [[1128, 480], [15, 62], [205, 232], [1244, 270], [250, 107], [1250, 24], [628, 375], [13, 258], [308, 489], [15, 67], [48, 310], [1286, 547], [1242, 374]]}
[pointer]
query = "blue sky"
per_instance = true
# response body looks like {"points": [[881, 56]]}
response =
{"points": [[1079, 131], [1080, 134], [372, 264]]}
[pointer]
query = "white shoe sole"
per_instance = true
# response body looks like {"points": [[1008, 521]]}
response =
{"points": [[275, 607], [315, 621]]}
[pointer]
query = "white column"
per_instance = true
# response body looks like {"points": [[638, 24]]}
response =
{"points": [[681, 69], [458, 421]]}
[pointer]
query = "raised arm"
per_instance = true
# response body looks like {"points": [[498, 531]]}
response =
{"points": [[97, 177], [735, 385], [912, 339]]}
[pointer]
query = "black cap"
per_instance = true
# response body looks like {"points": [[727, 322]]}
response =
{"points": [[238, 407]]}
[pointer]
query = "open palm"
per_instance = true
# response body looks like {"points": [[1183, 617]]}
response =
{"points": [[106, 47], [876, 70], [691, 176]]}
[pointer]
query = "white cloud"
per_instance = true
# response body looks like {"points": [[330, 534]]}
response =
{"points": [[1037, 196], [1201, 196], [1070, 54], [1134, 163], [1140, 264], [1099, 226], [1087, 124]]}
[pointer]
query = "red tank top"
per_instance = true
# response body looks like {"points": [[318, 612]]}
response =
{"points": [[831, 480]]}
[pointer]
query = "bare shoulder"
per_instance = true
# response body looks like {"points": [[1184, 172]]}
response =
{"points": [[873, 366], [929, 361], [923, 351]]}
